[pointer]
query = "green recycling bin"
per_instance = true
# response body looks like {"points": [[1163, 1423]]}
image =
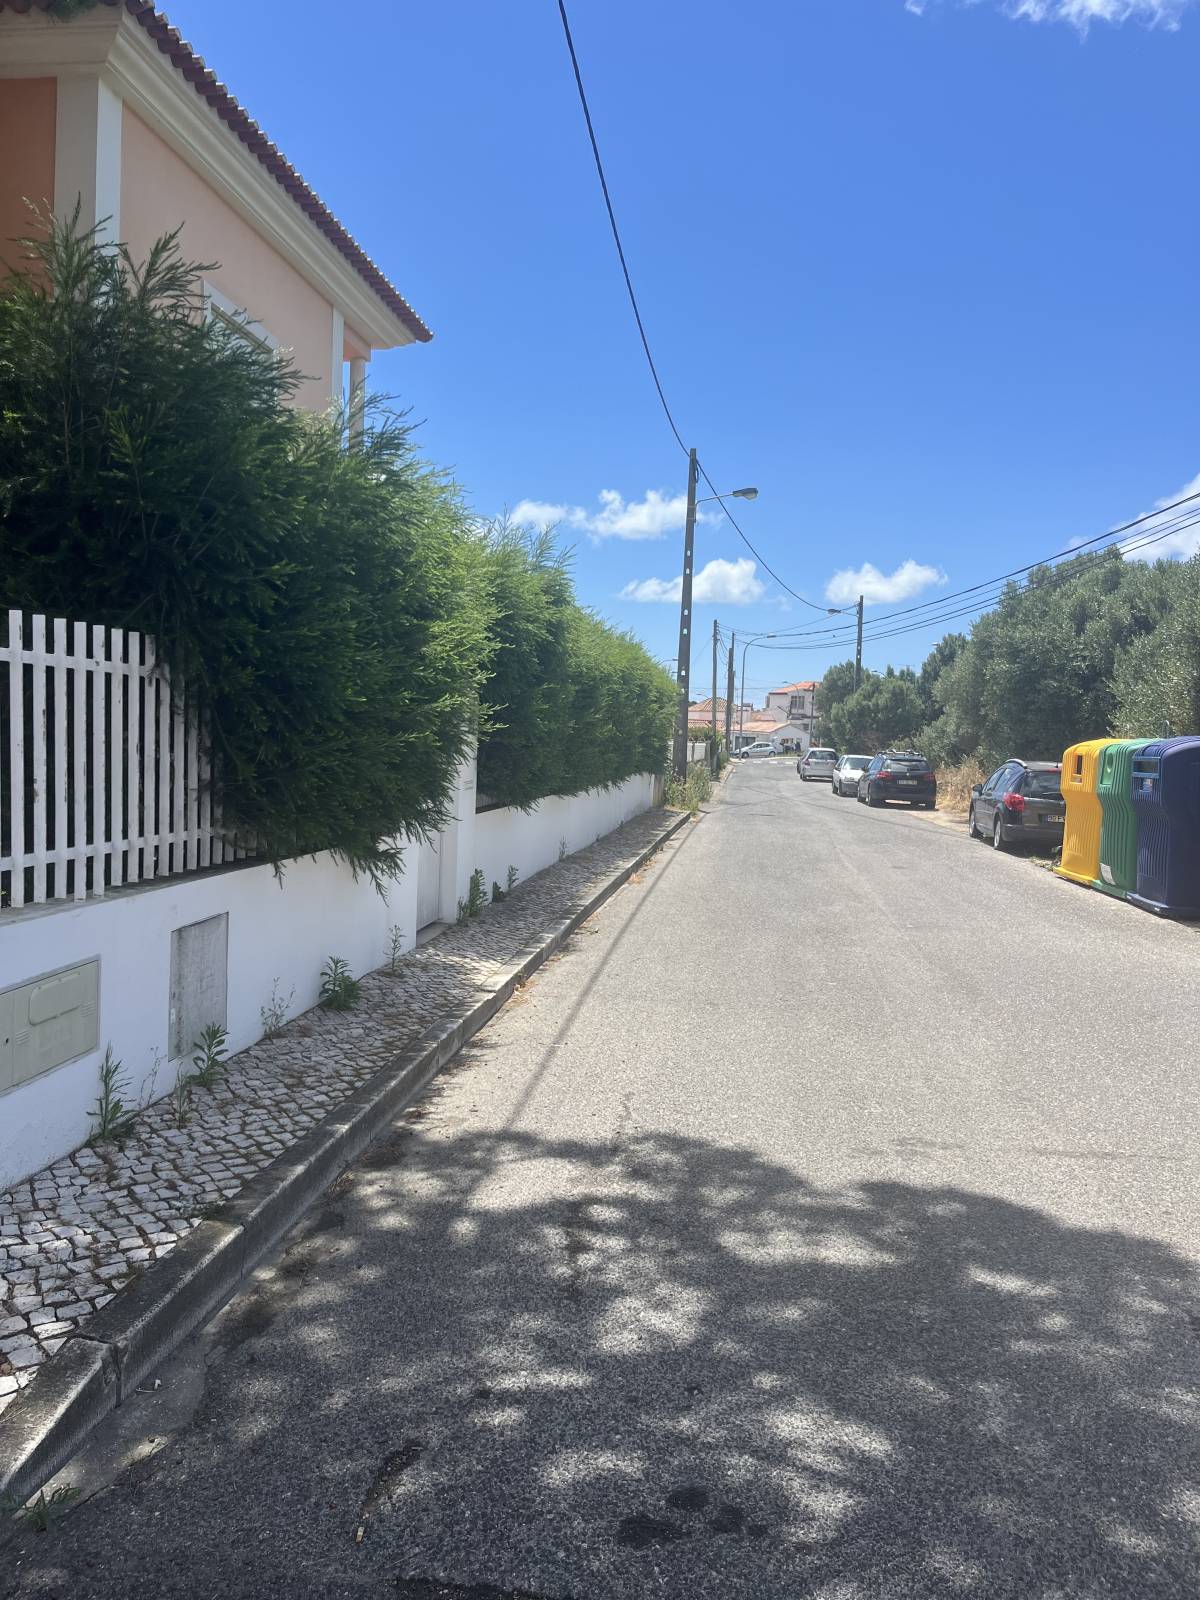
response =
{"points": [[1118, 828]]}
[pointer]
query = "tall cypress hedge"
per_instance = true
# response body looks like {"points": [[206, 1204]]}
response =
{"points": [[328, 607], [334, 612], [570, 704]]}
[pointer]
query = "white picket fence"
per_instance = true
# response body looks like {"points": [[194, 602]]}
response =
{"points": [[104, 776]]}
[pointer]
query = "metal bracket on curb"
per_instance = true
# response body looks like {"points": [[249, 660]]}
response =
{"points": [[98, 1369]]}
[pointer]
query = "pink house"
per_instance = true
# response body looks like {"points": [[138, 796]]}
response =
{"points": [[113, 110]]}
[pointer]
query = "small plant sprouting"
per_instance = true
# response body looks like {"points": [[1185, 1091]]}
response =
{"points": [[114, 1118], [40, 1514], [208, 1063], [274, 1013], [510, 883], [181, 1099], [339, 990], [498, 893], [476, 893], [395, 946], [460, 920], [562, 847]]}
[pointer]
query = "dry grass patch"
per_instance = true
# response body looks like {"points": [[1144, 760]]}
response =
{"points": [[955, 785]]}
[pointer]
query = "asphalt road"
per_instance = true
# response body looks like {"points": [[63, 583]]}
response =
{"points": [[824, 1223]]}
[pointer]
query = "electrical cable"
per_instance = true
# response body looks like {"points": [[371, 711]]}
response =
{"points": [[641, 326]]}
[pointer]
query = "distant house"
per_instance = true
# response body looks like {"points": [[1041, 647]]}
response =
{"points": [[114, 112], [795, 700]]}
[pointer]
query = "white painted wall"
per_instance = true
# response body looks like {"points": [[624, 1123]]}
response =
{"points": [[283, 929], [531, 841], [278, 929]]}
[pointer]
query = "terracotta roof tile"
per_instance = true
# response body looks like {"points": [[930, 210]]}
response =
{"points": [[244, 128]]}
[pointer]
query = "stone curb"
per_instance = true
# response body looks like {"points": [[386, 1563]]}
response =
{"points": [[99, 1368]]}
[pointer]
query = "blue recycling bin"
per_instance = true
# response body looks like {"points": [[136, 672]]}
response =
{"points": [[1165, 792]]}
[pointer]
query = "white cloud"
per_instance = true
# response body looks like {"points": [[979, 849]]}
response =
{"points": [[1184, 542], [1081, 14], [731, 583], [652, 517], [909, 578]]}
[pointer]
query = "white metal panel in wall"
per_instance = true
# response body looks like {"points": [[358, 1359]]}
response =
{"points": [[429, 880], [199, 981], [48, 1022]]}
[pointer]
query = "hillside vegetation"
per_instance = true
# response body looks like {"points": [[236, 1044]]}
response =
{"points": [[1093, 646]]}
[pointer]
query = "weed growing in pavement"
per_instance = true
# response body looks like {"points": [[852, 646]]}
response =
{"points": [[339, 990], [698, 789], [148, 1093], [498, 893], [395, 946], [476, 893], [562, 847], [114, 1118], [510, 881], [40, 1514], [181, 1099], [208, 1062], [464, 912], [274, 1013]]}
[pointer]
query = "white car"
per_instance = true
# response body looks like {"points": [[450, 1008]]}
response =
{"points": [[847, 773], [761, 747], [817, 763]]}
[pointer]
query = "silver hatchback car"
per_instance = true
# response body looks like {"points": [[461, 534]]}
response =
{"points": [[817, 763], [847, 773]]}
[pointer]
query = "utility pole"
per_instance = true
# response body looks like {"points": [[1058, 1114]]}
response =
{"points": [[729, 701], [683, 661], [712, 756], [858, 647]]}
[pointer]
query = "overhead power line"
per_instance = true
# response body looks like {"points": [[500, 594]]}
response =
{"points": [[641, 326], [1060, 576], [1112, 535]]}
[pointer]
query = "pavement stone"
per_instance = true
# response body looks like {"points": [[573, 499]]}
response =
{"points": [[75, 1232]]}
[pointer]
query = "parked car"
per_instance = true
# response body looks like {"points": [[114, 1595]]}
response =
{"points": [[898, 775], [1021, 802], [847, 772], [817, 763], [761, 747]]}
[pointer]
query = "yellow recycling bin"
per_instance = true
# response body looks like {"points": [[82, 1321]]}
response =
{"points": [[1085, 817]]}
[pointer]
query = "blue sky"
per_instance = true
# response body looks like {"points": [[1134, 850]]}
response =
{"points": [[925, 274]]}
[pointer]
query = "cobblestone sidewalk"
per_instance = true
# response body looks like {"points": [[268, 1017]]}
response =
{"points": [[73, 1234]]}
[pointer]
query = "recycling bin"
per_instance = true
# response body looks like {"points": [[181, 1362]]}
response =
{"points": [[1165, 791], [1118, 828], [1081, 829]]}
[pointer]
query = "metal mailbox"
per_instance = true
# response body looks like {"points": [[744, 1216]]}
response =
{"points": [[1165, 793]]}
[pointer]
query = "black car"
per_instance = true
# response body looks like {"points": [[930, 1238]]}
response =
{"points": [[1021, 802], [899, 775]]}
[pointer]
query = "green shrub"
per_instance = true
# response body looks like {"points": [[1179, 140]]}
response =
{"points": [[326, 607], [571, 704]]}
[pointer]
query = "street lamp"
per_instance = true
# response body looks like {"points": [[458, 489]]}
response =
{"points": [[683, 659], [734, 494]]}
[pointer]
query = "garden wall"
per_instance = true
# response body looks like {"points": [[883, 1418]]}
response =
{"points": [[271, 929]]}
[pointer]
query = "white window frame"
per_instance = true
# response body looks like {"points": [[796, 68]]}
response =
{"points": [[220, 308]]}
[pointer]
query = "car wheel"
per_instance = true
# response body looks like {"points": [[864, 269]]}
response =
{"points": [[997, 834], [872, 799]]}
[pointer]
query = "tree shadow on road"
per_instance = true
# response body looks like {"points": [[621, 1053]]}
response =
{"points": [[660, 1366]]}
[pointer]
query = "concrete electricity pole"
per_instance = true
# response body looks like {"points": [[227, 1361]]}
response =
{"points": [[858, 647], [712, 755], [683, 661], [729, 700]]}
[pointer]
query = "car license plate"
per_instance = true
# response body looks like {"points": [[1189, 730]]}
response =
{"points": [[1052, 816], [908, 783]]}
